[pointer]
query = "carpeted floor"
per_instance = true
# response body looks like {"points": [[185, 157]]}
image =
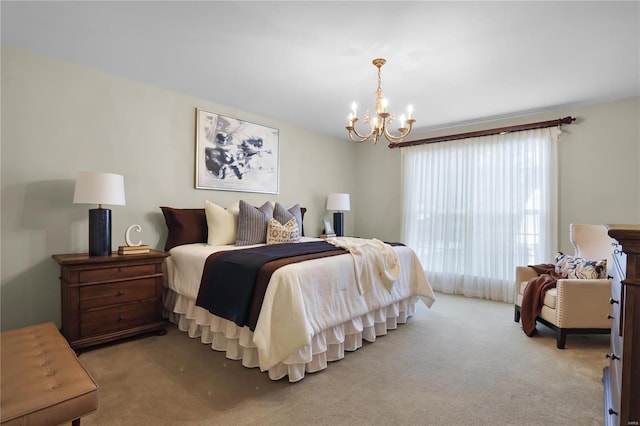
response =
{"points": [[462, 362]]}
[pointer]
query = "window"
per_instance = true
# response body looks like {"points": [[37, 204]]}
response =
{"points": [[474, 209]]}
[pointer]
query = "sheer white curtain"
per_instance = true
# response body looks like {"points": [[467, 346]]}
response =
{"points": [[476, 208]]}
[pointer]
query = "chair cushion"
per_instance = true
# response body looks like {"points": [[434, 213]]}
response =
{"points": [[550, 297]]}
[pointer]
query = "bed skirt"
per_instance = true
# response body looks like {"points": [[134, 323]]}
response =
{"points": [[328, 345]]}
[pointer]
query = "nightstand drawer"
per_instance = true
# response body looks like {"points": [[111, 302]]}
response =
{"points": [[94, 296], [122, 272], [116, 318]]}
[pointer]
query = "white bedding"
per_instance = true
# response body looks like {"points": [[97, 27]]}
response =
{"points": [[302, 303]]}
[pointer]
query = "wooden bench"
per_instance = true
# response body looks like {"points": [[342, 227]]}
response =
{"points": [[42, 381]]}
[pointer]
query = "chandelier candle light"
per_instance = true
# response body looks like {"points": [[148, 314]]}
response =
{"points": [[379, 124]]}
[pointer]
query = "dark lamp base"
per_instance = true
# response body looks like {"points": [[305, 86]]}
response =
{"points": [[338, 223], [99, 232]]}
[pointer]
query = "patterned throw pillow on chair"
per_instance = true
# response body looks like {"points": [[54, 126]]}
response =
{"points": [[572, 267]]}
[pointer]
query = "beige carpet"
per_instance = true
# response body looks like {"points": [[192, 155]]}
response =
{"points": [[462, 362]]}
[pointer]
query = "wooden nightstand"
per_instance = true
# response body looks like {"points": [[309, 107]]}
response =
{"points": [[105, 298]]}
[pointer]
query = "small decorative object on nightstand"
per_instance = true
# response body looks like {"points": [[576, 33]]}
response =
{"points": [[325, 236], [133, 248], [327, 232], [125, 250], [110, 297]]}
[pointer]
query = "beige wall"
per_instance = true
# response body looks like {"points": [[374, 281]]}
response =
{"points": [[599, 177], [59, 118]]}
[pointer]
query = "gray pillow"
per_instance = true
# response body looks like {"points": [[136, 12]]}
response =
{"points": [[252, 223], [283, 215]]}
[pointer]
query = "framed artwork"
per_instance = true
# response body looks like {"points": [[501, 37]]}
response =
{"points": [[327, 227], [235, 155]]}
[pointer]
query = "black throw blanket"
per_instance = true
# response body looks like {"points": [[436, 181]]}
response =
{"points": [[229, 277]]}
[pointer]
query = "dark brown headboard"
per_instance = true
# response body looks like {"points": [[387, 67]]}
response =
{"points": [[187, 226]]}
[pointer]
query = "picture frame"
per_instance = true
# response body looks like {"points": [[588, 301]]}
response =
{"points": [[235, 155], [328, 229]]}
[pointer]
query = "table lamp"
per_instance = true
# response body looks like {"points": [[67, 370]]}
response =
{"points": [[339, 202], [99, 188]]}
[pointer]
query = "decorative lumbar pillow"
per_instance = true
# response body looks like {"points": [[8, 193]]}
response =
{"points": [[252, 223], [222, 224], [278, 233], [572, 267], [283, 215], [185, 226]]}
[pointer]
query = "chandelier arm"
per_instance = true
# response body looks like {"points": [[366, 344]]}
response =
{"points": [[403, 134], [362, 138], [352, 129]]}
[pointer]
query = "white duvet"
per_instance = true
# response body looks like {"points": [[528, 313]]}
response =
{"points": [[304, 298]]}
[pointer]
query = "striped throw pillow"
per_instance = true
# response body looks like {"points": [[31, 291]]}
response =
{"points": [[283, 215], [252, 223]]}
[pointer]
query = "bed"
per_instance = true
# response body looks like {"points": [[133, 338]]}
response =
{"points": [[312, 312]]}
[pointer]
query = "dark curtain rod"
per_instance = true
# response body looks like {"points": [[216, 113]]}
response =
{"points": [[488, 132]]}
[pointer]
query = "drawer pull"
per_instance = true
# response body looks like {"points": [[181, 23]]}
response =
{"points": [[612, 412], [612, 356], [120, 292], [612, 301], [610, 316], [609, 277], [121, 318]]}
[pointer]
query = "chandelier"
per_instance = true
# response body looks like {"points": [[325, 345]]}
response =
{"points": [[382, 120]]}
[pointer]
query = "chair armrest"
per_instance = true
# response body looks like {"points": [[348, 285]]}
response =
{"points": [[583, 303], [524, 273]]}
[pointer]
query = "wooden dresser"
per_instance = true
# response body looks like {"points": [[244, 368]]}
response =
{"points": [[105, 298], [622, 376]]}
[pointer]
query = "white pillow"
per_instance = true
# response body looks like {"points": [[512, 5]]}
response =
{"points": [[222, 224], [278, 233]]}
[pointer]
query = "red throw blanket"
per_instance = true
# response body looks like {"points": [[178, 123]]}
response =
{"points": [[533, 296]]}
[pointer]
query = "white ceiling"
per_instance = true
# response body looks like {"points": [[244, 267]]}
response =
{"points": [[305, 62]]}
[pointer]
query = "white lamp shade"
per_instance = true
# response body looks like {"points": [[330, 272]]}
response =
{"points": [[99, 188], [339, 202]]}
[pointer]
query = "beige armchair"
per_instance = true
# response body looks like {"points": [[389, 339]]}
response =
{"points": [[575, 306]]}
